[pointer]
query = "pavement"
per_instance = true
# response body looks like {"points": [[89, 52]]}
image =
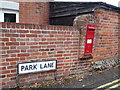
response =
{"points": [[96, 79]]}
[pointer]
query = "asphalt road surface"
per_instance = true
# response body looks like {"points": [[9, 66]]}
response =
{"points": [[104, 80], [106, 85]]}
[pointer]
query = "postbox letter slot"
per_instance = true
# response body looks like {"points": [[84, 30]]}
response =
{"points": [[91, 29]]}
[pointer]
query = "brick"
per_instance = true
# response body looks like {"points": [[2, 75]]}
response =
{"points": [[13, 63], [2, 68], [23, 55], [12, 59], [11, 67], [31, 35], [2, 43], [22, 31], [35, 32], [13, 51], [22, 43], [11, 83], [31, 57], [58, 55], [2, 60], [23, 50], [67, 54], [5, 79], [2, 52], [22, 35], [4, 39], [13, 31], [13, 39], [40, 57], [11, 35], [4, 48], [2, 76], [32, 50], [12, 47], [43, 43], [51, 39], [13, 71], [5, 71], [5, 63], [35, 46], [66, 66], [12, 43], [23, 39], [32, 43], [37, 53]]}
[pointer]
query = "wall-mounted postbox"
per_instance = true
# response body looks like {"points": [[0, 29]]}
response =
{"points": [[89, 39]]}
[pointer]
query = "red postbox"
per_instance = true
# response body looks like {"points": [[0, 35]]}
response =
{"points": [[89, 39]]}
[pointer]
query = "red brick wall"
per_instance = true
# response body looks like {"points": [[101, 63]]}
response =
{"points": [[31, 12], [107, 35], [34, 13], [29, 43]]}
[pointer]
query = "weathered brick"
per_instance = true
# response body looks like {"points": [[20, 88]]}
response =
{"points": [[31, 14], [5, 71], [11, 35], [12, 59], [13, 51], [31, 35], [13, 63], [43, 43], [4, 39], [23, 31], [12, 43], [23, 55]]}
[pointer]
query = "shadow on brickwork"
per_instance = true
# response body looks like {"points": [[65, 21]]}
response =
{"points": [[119, 34], [119, 38]]}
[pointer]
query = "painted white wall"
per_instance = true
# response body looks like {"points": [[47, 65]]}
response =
{"points": [[1, 16], [9, 7]]}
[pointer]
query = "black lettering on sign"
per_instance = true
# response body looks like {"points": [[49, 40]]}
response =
{"points": [[50, 64], [45, 66], [30, 67], [22, 67], [41, 66], [26, 68], [34, 66]]}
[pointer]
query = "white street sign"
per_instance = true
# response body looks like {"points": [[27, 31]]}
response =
{"points": [[32, 67]]}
